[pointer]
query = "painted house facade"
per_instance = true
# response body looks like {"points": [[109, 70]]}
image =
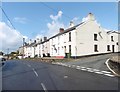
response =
{"points": [[86, 38]]}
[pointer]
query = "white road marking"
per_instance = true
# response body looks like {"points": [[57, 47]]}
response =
{"points": [[105, 72], [29, 65], [54, 63], [65, 76], [64, 65], [109, 75], [78, 68], [109, 67], [83, 69], [89, 68], [44, 88], [73, 65], [35, 72], [69, 65], [90, 71], [98, 72]]}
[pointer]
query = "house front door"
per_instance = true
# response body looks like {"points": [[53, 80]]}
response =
{"points": [[113, 48]]}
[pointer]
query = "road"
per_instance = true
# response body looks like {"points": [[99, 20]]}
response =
{"points": [[29, 75], [95, 62]]}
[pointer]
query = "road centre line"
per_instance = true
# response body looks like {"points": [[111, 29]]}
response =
{"points": [[35, 72], [28, 65], [44, 88]]}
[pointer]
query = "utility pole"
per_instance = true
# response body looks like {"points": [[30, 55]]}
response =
{"points": [[23, 47]]}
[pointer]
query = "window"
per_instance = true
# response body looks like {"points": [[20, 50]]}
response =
{"points": [[95, 37], [112, 38], [65, 48], [117, 43], [108, 47], [96, 48], [69, 48], [70, 36]]}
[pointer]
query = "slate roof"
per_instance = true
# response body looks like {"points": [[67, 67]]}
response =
{"points": [[109, 32], [67, 30]]}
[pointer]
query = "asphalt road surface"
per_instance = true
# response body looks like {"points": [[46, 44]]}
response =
{"points": [[29, 75], [95, 62]]}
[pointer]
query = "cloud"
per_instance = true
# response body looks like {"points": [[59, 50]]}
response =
{"points": [[38, 36], [76, 20], [55, 18], [10, 38], [84, 19], [20, 20], [55, 24]]}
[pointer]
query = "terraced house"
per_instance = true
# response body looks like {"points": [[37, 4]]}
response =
{"points": [[86, 38]]}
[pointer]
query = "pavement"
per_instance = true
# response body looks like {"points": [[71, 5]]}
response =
{"points": [[29, 75]]}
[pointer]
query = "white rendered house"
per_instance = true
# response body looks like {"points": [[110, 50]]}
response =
{"points": [[86, 38]]}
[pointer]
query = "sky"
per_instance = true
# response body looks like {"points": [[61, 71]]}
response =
{"points": [[37, 19]]}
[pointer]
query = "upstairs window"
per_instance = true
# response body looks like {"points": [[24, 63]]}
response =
{"points": [[96, 48], [112, 38], [95, 37], [70, 36], [108, 47], [117, 43], [65, 49]]}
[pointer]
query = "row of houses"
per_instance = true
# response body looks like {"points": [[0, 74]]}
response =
{"points": [[85, 38]]}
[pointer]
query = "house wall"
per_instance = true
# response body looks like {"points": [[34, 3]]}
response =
{"points": [[85, 39], [114, 42], [58, 44]]}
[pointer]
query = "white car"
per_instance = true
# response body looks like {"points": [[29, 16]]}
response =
{"points": [[1, 58]]}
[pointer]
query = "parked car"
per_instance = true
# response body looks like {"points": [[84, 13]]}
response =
{"points": [[3, 59]]}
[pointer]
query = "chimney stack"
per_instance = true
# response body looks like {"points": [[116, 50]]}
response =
{"points": [[90, 16], [40, 40], [45, 38], [37, 40], [61, 30], [71, 24], [34, 41], [30, 41]]}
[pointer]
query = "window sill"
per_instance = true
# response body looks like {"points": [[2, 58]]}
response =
{"points": [[95, 40]]}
